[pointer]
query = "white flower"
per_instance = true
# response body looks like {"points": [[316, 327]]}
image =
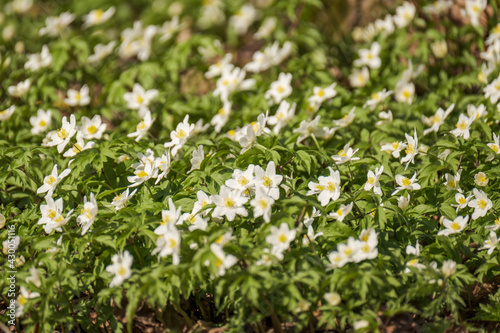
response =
{"points": [[333, 299], [120, 200], [349, 251], [406, 183], [195, 221], [476, 112], [455, 226], [494, 226], [142, 174], [20, 89], [222, 116], [410, 250], [169, 28], [461, 200], [280, 238], [368, 245], [243, 18], [404, 93], [394, 148], [481, 204], [495, 146], [163, 165], [280, 88], [437, 119], [120, 267], [97, 16], [61, 137], [54, 25], [283, 116], [452, 182], [491, 243], [438, 7], [449, 268], [198, 157], [50, 182], [101, 51], [92, 128], [78, 97], [376, 98], [346, 120], [369, 57], [22, 6], [247, 138], [203, 201], [462, 126], [231, 80], [57, 222], [473, 9], [51, 209], [219, 67], [327, 187], [308, 128], [41, 121], [341, 213], [345, 155], [336, 260], [480, 179], [139, 98], [223, 261], [372, 180], [242, 181], [404, 14], [439, 48], [168, 243], [24, 295], [180, 135], [143, 127], [359, 77], [322, 94], [492, 91], [79, 146], [271, 56], [266, 28], [7, 113], [87, 214], [268, 180], [411, 149], [403, 202], [262, 204], [229, 203], [310, 236], [39, 60]]}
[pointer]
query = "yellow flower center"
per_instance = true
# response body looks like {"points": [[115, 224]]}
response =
{"points": [[282, 238], [410, 149], [228, 202], [172, 243], [405, 181], [406, 94], [321, 93], [481, 203], [451, 184], [21, 299], [320, 187], [263, 203], [436, 119], [461, 200], [376, 96], [462, 125], [141, 126], [51, 214], [86, 212], [98, 13], [218, 262], [370, 180], [279, 115], [482, 179], [330, 186], [180, 134], [494, 148], [413, 262], [92, 129], [365, 248], [62, 133], [266, 181], [455, 226], [339, 212], [50, 180], [341, 153], [395, 145], [221, 112], [231, 132], [42, 123], [348, 251], [280, 89], [141, 174], [122, 271]]}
